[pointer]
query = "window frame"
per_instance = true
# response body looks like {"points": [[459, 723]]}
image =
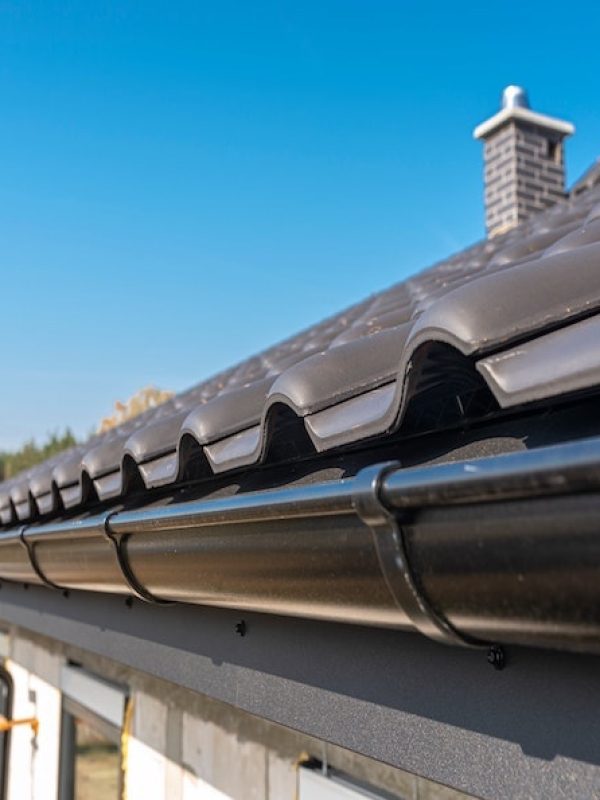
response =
{"points": [[74, 709]]}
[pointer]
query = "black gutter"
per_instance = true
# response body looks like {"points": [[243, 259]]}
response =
{"points": [[503, 549]]}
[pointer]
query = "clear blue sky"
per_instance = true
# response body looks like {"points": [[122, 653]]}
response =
{"points": [[183, 184]]}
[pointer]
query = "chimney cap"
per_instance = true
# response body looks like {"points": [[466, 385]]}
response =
{"points": [[515, 97], [515, 106]]}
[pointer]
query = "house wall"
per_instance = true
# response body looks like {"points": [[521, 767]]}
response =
{"points": [[178, 745]]}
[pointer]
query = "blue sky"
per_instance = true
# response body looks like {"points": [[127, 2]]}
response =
{"points": [[183, 184]]}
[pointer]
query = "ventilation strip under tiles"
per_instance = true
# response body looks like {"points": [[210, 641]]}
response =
{"points": [[503, 549]]}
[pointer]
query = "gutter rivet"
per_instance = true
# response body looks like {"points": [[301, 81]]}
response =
{"points": [[496, 657], [241, 628]]}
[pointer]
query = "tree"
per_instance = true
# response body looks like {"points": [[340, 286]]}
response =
{"points": [[30, 454], [146, 398]]}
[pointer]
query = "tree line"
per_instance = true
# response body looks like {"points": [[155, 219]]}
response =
{"points": [[32, 453]]}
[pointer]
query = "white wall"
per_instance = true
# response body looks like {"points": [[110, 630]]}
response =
{"points": [[33, 773]]}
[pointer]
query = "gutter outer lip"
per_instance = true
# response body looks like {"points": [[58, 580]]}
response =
{"points": [[552, 470]]}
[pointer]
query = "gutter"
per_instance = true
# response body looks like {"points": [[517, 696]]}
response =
{"points": [[496, 550]]}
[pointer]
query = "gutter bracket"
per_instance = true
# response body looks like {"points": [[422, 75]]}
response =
{"points": [[137, 589], [394, 561], [30, 547]]}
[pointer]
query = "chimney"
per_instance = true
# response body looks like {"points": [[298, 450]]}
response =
{"points": [[524, 161]]}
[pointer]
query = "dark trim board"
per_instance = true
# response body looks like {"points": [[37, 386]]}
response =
{"points": [[531, 730]]}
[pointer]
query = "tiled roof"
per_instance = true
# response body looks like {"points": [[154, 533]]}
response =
{"points": [[512, 316], [587, 181]]}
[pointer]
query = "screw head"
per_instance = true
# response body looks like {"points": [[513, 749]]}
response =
{"points": [[496, 657]]}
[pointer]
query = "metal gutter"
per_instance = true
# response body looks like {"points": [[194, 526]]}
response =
{"points": [[503, 549], [552, 470]]}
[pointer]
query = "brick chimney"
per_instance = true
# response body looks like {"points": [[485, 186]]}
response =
{"points": [[524, 161]]}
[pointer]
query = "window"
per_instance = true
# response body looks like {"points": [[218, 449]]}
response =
{"points": [[315, 785], [90, 758]]}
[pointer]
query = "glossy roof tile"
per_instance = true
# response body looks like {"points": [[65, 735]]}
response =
{"points": [[522, 374], [514, 315]]}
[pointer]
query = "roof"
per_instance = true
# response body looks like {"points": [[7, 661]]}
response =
{"points": [[588, 180], [505, 323]]}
